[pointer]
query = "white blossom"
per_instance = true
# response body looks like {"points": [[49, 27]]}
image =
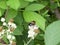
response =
{"points": [[13, 37], [35, 27], [31, 28], [9, 23], [11, 42], [2, 19], [0, 34], [11, 32], [13, 25], [8, 31], [32, 37], [9, 37], [3, 31], [31, 33], [4, 24]]}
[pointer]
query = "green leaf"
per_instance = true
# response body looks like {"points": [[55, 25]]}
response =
{"points": [[52, 36], [34, 7], [1, 12], [53, 6], [18, 31], [3, 4], [23, 3], [5, 39], [44, 14], [19, 40], [32, 16], [58, 43], [13, 4], [40, 37], [19, 20], [30, 0], [44, 3], [11, 14]]}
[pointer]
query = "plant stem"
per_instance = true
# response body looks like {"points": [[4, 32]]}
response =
{"points": [[6, 12], [31, 39]]}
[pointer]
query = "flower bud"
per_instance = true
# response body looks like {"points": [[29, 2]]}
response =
{"points": [[4, 24], [9, 37], [2, 19]]}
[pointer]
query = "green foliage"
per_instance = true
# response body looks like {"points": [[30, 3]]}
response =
{"points": [[3, 4], [32, 16], [29, 0], [52, 32], [11, 14], [35, 7], [25, 11], [1, 11], [23, 4], [19, 40], [13, 4], [5, 39], [53, 6], [19, 21]]}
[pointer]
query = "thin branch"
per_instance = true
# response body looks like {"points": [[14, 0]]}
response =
{"points": [[6, 12], [31, 39]]}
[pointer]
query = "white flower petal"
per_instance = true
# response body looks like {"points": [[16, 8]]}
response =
{"points": [[0, 34], [35, 27], [32, 37], [3, 31], [14, 25], [13, 37], [31, 27], [31, 32], [11, 41], [8, 30], [4, 24], [11, 32], [2, 19], [9, 37], [9, 23]]}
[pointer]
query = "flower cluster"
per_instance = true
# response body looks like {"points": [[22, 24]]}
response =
{"points": [[11, 26], [32, 31]]}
